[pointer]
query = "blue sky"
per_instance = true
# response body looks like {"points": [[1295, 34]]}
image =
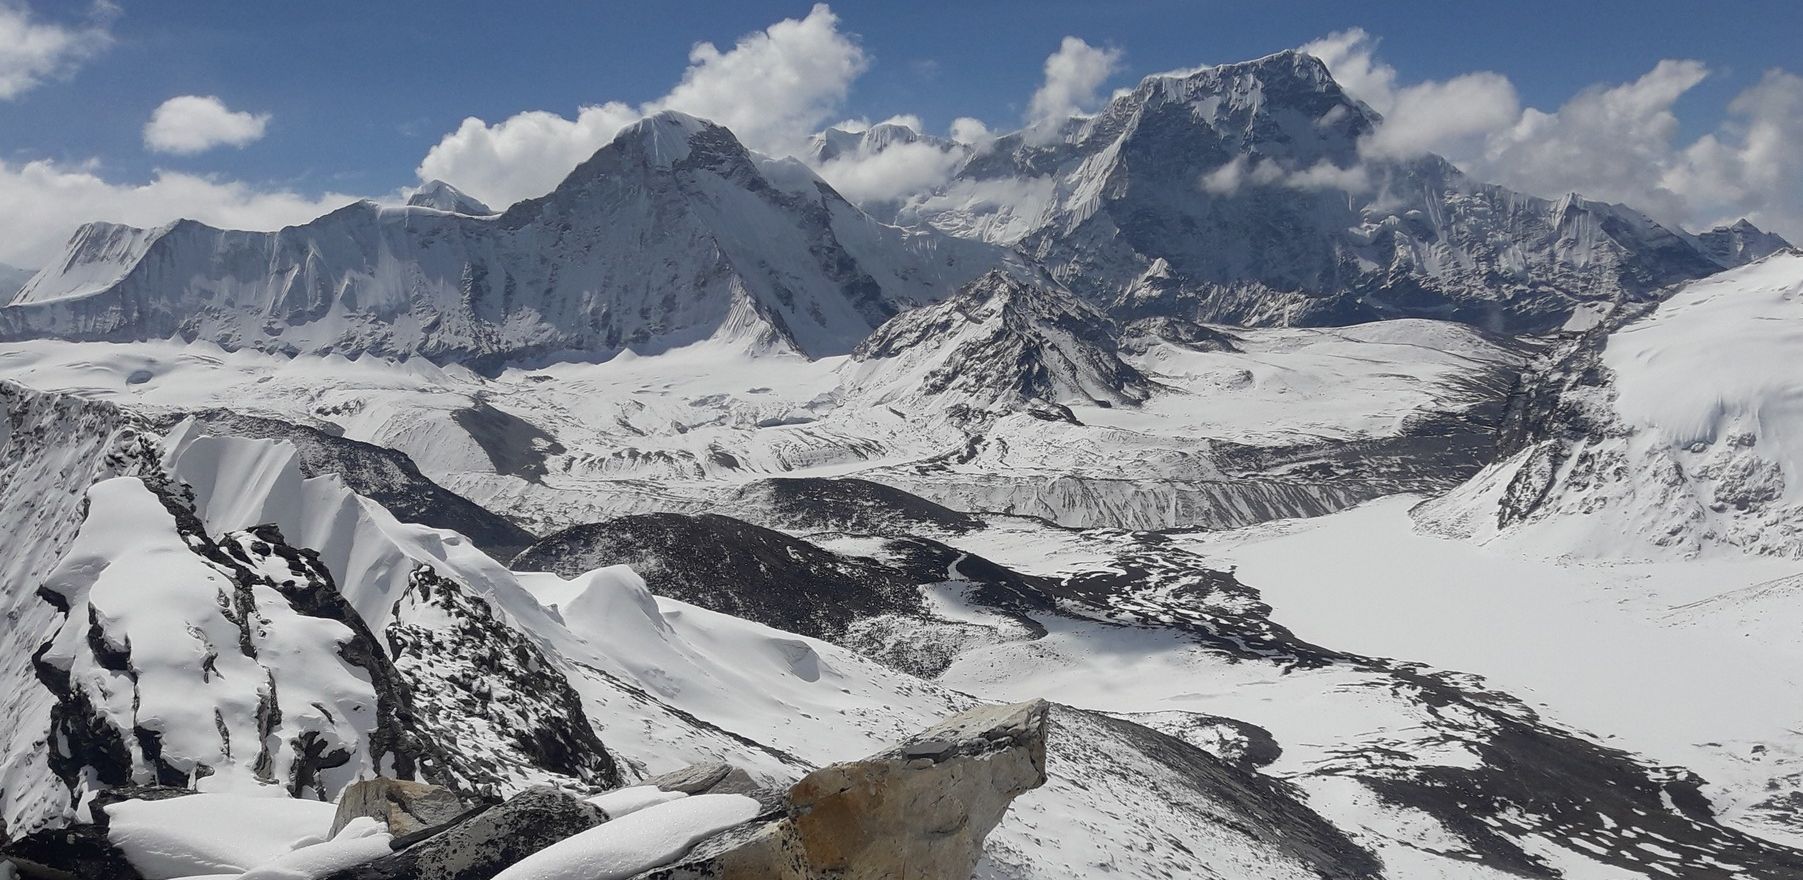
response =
{"points": [[357, 93]]}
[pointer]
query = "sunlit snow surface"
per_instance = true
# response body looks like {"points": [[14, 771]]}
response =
{"points": [[1696, 444], [1616, 651], [578, 442], [1659, 658]]}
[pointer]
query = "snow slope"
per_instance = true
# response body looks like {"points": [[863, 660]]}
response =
{"points": [[1684, 662], [1676, 433]]}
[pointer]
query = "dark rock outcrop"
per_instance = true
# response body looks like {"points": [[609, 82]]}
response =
{"points": [[504, 713], [485, 842], [80, 852], [734, 567], [845, 504]]}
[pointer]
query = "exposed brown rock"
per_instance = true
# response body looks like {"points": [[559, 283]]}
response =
{"points": [[713, 777], [402, 805], [919, 811]]}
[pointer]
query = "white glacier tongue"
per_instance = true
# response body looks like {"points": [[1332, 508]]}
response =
{"points": [[671, 234]]}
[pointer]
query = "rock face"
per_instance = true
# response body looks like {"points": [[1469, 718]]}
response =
{"points": [[479, 847], [671, 234], [745, 570], [1008, 340], [713, 777], [405, 807], [919, 811]]}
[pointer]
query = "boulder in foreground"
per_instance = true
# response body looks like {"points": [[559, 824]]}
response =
{"points": [[919, 811]]}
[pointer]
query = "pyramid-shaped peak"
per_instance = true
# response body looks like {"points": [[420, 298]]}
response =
{"points": [[1007, 339], [445, 197], [671, 136]]}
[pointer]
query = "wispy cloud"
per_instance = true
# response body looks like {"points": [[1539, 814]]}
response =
{"points": [[33, 50]]}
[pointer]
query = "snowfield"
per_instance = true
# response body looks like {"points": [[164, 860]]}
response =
{"points": [[578, 442], [1674, 436], [1661, 658]]}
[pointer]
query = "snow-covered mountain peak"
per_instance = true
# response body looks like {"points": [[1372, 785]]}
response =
{"points": [[1010, 338], [1283, 83], [671, 234], [1249, 183], [1740, 243], [665, 137], [835, 143], [445, 197]]}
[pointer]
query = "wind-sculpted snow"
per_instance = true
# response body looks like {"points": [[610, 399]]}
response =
{"points": [[1670, 430], [671, 234], [383, 475], [52, 447]]}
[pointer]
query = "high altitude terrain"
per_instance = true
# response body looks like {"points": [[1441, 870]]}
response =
{"points": [[1405, 527]]}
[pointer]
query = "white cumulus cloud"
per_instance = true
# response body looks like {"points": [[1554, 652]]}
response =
{"points": [[33, 50], [891, 174], [1752, 167], [773, 88], [189, 124], [524, 155], [1444, 117], [1617, 142], [1073, 81]]}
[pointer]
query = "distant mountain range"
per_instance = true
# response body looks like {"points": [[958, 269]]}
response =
{"points": [[672, 233], [1233, 194]]}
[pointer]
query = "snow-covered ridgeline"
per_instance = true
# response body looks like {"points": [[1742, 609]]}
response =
{"points": [[1679, 432], [52, 447], [670, 234]]}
